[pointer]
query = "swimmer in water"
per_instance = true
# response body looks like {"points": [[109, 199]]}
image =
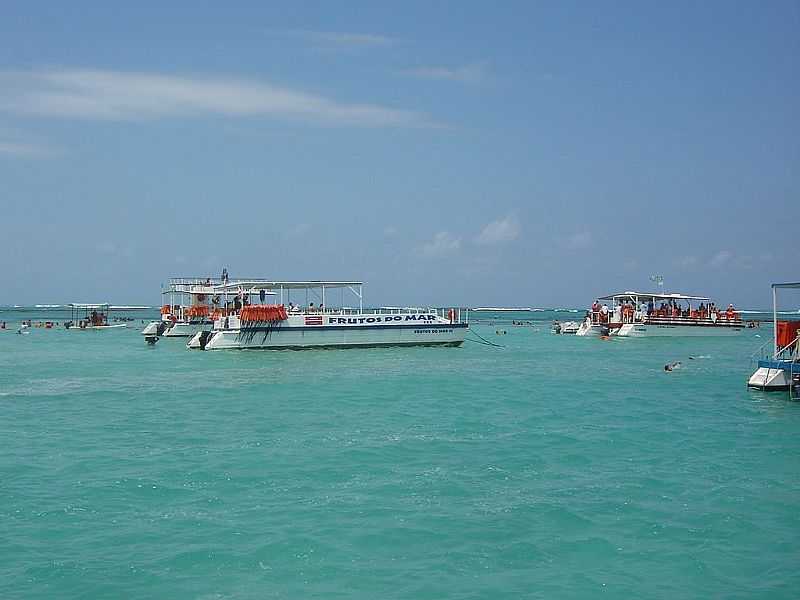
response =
{"points": [[672, 366]]}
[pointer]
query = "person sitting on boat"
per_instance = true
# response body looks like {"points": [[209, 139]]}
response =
{"points": [[311, 308]]}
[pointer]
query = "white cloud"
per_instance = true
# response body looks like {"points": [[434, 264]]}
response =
{"points": [[578, 241], [106, 247], [721, 258], [472, 73], [442, 244], [112, 249], [119, 95], [299, 230], [23, 149], [390, 231], [686, 262], [497, 232], [339, 38]]}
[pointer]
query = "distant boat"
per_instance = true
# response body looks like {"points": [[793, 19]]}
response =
{"points": [[647, 314], [47, 306]]}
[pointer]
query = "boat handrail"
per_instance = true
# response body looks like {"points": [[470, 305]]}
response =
{"points": [[453, 314], [762, 353], [721, 319]]}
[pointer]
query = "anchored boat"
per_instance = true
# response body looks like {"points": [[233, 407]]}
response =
{"points": [[779, 369], [91, 316], [289, 326], [644, 314], [191, 304]]}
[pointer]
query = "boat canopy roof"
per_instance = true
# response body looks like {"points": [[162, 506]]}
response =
{"points": [[259, 284], [125, 307], [795, 286], [655, 296], [81, 305]]}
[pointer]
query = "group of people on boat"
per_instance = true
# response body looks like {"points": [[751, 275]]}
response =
{"points": [[673, 310], [296, 308], [628, 312]]}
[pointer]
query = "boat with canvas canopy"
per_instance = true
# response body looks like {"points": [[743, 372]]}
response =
{"points": [[650, 314], [247, 323], [91, 316]]}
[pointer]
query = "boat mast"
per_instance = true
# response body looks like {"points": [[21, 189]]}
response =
{"points": [[774, 322]]}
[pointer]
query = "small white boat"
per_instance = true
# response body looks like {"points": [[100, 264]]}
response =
{"points": [[94, 317], [276, 326], [566, 328], [645, 314]]}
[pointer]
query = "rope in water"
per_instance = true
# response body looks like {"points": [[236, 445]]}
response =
{"points": [[484, 341]]}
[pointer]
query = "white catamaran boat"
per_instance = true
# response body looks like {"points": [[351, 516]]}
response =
{"points": [[245, 324], [191, 302], [644, 314], [91, 316]]}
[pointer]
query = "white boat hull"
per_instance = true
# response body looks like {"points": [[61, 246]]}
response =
{"points": [[652, 330], [770, 379], [151, 329], [180, 329], [291, 335], [96, 327]]}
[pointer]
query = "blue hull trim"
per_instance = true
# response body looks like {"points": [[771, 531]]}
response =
{"points": [[783, 365]]}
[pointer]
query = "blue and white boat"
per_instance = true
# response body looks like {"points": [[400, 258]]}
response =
{"points": [[779, 369]]}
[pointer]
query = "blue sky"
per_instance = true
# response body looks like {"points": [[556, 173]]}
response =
{"points": [[452, 153]]}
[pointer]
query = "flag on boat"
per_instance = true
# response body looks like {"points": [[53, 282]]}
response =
{"points": [[314, 320]]}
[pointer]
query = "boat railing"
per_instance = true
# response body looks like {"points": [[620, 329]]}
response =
{"points": [[722, 319], [455, 315], [765, 351], [452, 314]]}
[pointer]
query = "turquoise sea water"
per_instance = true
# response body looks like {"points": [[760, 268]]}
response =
{"points": [[555, 467]]}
